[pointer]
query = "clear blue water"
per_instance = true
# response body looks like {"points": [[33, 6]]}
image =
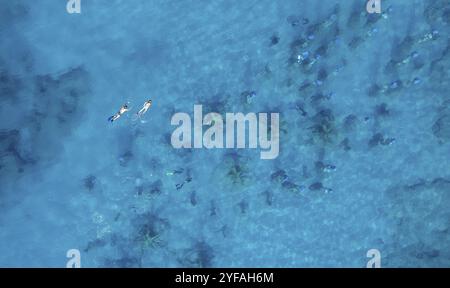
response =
{"points": [[371, 99]]}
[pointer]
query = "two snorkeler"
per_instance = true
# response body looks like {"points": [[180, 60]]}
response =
{"points": [[125, 109]]}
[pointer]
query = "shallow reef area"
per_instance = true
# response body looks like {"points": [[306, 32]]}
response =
{"points": [[364, 133]]}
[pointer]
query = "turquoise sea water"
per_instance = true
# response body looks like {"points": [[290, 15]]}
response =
{"points": [[364, 143]]}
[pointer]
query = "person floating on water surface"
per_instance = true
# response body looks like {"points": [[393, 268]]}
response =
{"points": [[116, 116], [144, 108]]}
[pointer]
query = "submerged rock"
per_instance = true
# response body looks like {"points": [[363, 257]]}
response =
{"points": [[200, 255], [441, 128], [316, 186], [10, 86], [89, 182], [11, 153], [279, 176]]}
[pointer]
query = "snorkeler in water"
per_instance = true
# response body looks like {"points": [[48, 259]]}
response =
{"points": [[144, 109], [116, 116]]}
